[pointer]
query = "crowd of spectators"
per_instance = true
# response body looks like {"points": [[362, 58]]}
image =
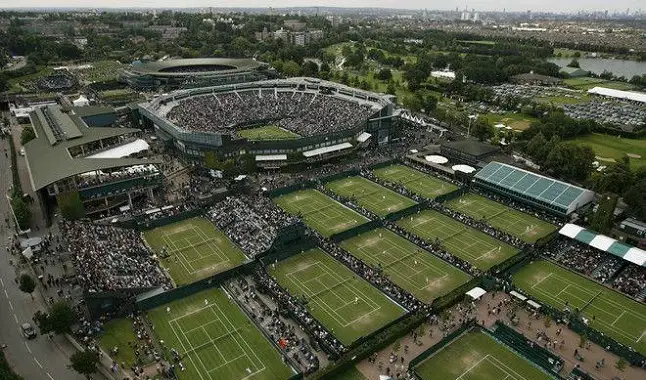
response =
{"points": [[252, 222], [57, 82], [100, 177], [632, 281], [111, 259], [296, 308], [277, 328], [304, 113]]}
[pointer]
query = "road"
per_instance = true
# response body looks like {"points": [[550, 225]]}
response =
{"points": [[36, 359]]}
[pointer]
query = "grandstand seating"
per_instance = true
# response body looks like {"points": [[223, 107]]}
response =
{"points": [[524, 346]]}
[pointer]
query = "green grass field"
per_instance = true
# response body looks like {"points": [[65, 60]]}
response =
{"points": [[586, 83], [193, 249], [514, 222], [418, 182], [376, 198], [517, 121], [320, 212], [412, 268], [342, 301], [612, 148], [268, 132], [216, 339], [614, 314], [458, 239], [477, 356], [118, 333]]}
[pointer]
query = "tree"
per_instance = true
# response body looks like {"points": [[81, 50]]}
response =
{"points": [[481, 129], [574, 63], [570, 161], [27, 135], [27, 285], [385, 74], [602, 219], [85, 362], [59, 320], [535, 144], [22, 211], [616, 178], [309, 69], [635, 197], [290, 68], [391, 89]]}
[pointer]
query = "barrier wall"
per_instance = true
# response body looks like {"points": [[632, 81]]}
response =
{"points": [[439, 345], [358, 230]]}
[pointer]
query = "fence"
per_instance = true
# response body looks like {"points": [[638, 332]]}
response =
{"points": [[455, 296], [358, 230], [143, 225], [393, 216]]}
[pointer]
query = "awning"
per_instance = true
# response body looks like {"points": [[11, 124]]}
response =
{"points": [[363, 137], [327, 149], [271, 157], [605, 243], [534, 304], [125, 150], [517, 295], [476, 293], [570, 230]]}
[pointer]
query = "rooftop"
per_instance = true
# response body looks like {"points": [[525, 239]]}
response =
{"points": [[204, 66], [619, 94], [604, 243], [473, 147], [48, 158]]}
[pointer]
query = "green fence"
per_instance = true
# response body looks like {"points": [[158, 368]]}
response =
{"points": [[289, 189], [632, 356], [143, 225], [340, 175], [358, 230], [406, 212], [513, 261], [455, 296], [439, 345], [384, 164], [281, 254], [452, 195], [375, 342]]}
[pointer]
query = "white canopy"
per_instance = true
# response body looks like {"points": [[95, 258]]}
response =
{"points": [[463, 168], [125, 150], [619, 94], [271, 157], [476, 293], [518, 295], [363, 137], [534, 304], [81, 102], [326, 149], [434, 158]]}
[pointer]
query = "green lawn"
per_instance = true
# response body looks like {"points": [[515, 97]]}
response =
{"points": [[193, 249], [478, 42], [458, 239], [372, 196], [320, 212], [415, 270], [514, 222], [477, 356], [586, 83], [216, 339], [609, 312], [268, 132], [610, 148], [561, 100], [417, 182], [346, 304], [118, 333], [517, 121]]}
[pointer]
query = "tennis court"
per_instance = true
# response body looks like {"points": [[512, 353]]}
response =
{"points": [[320, 212], [193, 249], [268, 132], [517, 223], [412, 268], [477, 356], [342, 301], [458, 239], [216, 340], [420, 183], [608, 311], [372, 196]]}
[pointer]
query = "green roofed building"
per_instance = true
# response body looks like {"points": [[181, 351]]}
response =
{"points": [[534, 189], [87, 170], [604, 243]]}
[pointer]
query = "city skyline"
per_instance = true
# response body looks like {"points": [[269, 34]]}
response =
{"points": [[620, 6]]}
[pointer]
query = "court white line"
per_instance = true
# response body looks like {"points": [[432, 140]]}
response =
{"points": [[472, 367], [541, 280], [620, 315]]}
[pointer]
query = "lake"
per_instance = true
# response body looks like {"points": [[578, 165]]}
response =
{"points": [[619, 67]]}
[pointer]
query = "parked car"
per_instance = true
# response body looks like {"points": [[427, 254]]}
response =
{"points": [[28, 331]]}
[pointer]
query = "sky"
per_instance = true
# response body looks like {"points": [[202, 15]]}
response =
{"points": [[481, 5]]}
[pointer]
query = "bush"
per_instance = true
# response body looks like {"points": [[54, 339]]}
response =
{"points": [[27, 135]]}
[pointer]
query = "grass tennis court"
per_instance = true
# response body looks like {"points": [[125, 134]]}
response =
{"points": [[517, 223], [342, 301], [374, 197], [458, 239], [269, 132], [320, 212], [614, 314], [193, 249], [418, 182], [412, 268], [477, 356], [216, 340]]}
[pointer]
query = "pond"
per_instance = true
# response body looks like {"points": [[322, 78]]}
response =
{"points": [[619, 67]]}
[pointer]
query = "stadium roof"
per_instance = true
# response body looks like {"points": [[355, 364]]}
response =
{"points": [[87, 111], [124, 150], [271, 157], [229, 65], [534, 186], [48, 158], [604, 243], [619, 94], [327, 149], [472, 147]]}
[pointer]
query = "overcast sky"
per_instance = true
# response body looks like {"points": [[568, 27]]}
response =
{"points": [[510, 5]]}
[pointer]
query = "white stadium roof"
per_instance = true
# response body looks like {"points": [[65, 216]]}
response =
{"points": [[463, 168], [619, 94], [326, 149], [437, 159], [124, 150], [271, 157]]}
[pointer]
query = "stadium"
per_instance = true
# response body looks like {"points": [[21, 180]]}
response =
{"points": [[182, 73], [277, 121]]}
